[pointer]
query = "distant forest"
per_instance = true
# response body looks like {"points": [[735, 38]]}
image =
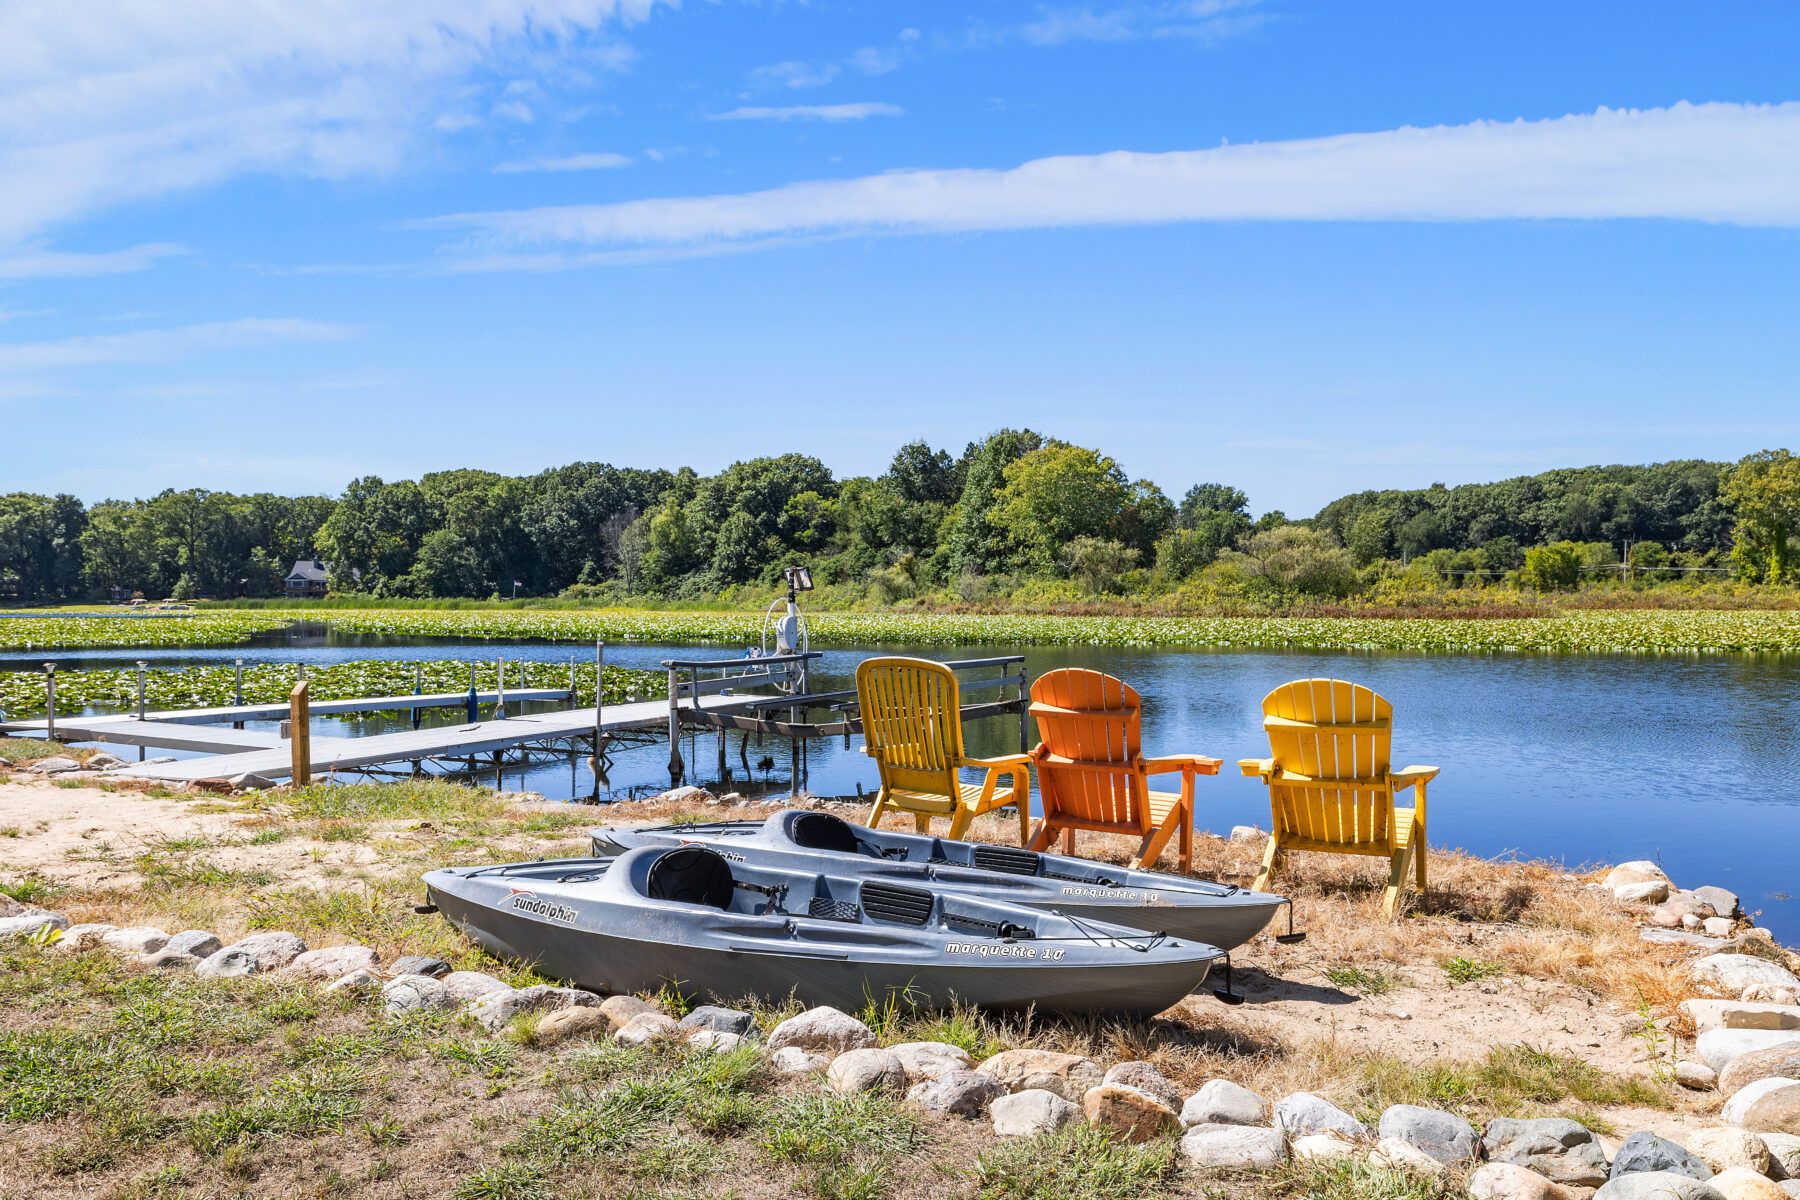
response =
{"points": [[1017, 511]]}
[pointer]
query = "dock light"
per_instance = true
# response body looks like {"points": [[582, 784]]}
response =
{"points": [[799, 579]]}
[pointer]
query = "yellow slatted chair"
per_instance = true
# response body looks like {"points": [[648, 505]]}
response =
{"points": [[1330, 786], [912, 728], [1092, 773]]}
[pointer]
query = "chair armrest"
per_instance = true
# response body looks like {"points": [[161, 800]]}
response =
{"points": [[1257, 766], [1162, 764], [1000, 763], [1407, 777]]}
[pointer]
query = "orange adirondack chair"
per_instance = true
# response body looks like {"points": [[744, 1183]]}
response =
{"points": [[1330, 786], [912, 727], [1092, 773]]}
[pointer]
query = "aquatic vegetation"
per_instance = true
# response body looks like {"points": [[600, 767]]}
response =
{"points": [[22, 692], [221, 628]]}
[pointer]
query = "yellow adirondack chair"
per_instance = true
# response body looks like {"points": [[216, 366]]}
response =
{"points": [[1330, 786], [1092, 773], [912, 728]]}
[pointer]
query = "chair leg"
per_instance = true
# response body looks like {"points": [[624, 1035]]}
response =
{"points": [[1069, 840], [1419, 848], [1187, 837], [1270, 864], [1041, 837], [1151, 848], [922, 822], [1022, 801], [959, 823], [880, 807], [1390, 900]]}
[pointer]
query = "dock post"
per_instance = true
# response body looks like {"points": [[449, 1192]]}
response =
{"points": [[141, 664], [500, 693], [571, 681], [238, 692], [302, 672], [599, 692], [676, 768], [50, 701], [1024, 710], [473, 709], [300, 733], [418, 715]]}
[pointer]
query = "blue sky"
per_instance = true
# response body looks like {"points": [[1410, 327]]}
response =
{"points": [[1304, 248]]}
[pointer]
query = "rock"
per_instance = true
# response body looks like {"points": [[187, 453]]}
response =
{"points": [[1723, 1149], [1555, 1147], [136, 939], [332, 962], [566, 1023], [1128, 1113], [1777, 1062], [620, 1009], [724, 1020], [1784, 1154], [79, 939], [196, 943], [466, 987], [1674, 937], [1322, 1147], [1397, 1155], [1222, 1102], [1741, 1183], [1638, 871], [959, 1093], [823, 1028], [645, 1027], [1247, 833], [797, 1060], [931, 1060], [1739, 1014], [31, 923], [869, 1069], [55, 765], [104, 762], [1791, 1187], [716, 1040], [1656, 1185], [170, 960], [682, 795], [1505, 1181], [1743, 975], [1030, 1112], [415, 993], [1653, 891], [1696, 1076], [1719, 927], [1145, 1078], [1645, 1151], [255, 955], [1718, 899], [1303, 1113], [1692, 922], [496, 1010], [362, 980], [1234, 1147], [1444, 1136], [1718, 1048], [250, 781], [1068, 1075], [1778, 1111], [420, 964]]}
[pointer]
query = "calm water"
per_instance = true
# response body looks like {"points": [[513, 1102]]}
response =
{"points": [[1694, 762]]}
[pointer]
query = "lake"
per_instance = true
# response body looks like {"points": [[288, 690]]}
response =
{"points": [[1691, 761]]}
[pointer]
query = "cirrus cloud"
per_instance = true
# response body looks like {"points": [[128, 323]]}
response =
{"points": [[810, 112]]}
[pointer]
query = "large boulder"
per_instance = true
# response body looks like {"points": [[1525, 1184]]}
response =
{"points": [[824, 1029], [1068, 1075], [1747, 977], [332, 962], [1302, 1113], [1507, 1181], [1444, 1136], [1128, 1113], [257, 954], [931, 1060], [1644, 1151], [1722, 1149], [496, 1010], [1781, 1060], [1234, 1147], [1030, 1112], [1561, 1150], [1145, 1078], [1657, 1185], [1718, 1048], [1222, 1102], [959, 1093], [869, 1069]]}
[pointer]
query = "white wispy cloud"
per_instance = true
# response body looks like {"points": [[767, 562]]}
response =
{"points": [[41, 262], [113, 101], [1199, 20], [1727, 163], [572, 162], [810, 112], [162, 345]]}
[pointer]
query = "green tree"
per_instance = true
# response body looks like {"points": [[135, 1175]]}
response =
{"points": [[1552, 568], [1098, 564], [1293, 558], [1370, 536], [1763, 493], [1056, 494], [976, 543]]}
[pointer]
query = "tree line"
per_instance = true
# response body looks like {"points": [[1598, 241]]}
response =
{"points": [[1015, 512]]}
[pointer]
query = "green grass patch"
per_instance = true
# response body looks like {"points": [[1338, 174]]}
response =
{"points": [[1361, 980], [1345, 1179], [421, 799], [1511, 1081], [1077, 1163], [1468, 970]]}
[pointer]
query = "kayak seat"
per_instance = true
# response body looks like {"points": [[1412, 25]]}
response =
{"points": [[823, 831], [691, 875]]}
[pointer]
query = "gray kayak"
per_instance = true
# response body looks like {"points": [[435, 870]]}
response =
{"points": [[686, 917], [1194, 909]]}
